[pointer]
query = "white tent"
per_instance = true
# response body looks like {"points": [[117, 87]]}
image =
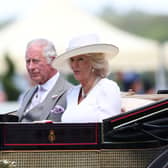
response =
{"points": [[59, 21]]}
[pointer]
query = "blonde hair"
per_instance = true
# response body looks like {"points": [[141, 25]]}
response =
{"points": [[99, 63]]}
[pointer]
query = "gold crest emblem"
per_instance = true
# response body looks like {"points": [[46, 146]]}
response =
{"points": [[51, 136]]}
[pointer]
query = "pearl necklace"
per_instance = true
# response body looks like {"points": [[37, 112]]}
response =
{"points": [[83, 94]]}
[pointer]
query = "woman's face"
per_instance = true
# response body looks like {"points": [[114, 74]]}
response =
{"points": [[81, 67]]}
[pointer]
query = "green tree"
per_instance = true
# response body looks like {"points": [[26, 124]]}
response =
{"points": [[7, 78], [139, 23]]}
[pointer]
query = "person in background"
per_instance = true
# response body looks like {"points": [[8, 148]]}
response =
{"points": [[119, 78], [133, 82], [3, 96], [96, 97], [46, 100]]}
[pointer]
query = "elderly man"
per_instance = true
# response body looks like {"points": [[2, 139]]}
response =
{"points": [[46, 100]]}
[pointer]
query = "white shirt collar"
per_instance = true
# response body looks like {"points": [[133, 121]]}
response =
{"points": [[50, 83]]}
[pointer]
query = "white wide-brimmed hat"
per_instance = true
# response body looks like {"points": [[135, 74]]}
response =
{"points": [[86, 44]]}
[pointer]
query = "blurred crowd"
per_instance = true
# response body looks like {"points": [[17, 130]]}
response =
{"points": [[133, 81]]}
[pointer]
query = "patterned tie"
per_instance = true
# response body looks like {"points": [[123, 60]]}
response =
{"points": [[38, 95], [36, 98]]}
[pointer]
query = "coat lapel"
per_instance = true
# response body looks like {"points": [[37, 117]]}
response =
{"points": [[43, 110], [28, 97]]}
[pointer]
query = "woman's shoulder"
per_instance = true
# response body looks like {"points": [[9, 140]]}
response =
{"points": [[108, 82], [108, 86]]}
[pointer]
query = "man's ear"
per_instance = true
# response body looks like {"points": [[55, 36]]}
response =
{"points": [[51, 59]]}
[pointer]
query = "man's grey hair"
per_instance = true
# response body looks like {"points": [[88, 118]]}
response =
{"points": [[49, 50]]}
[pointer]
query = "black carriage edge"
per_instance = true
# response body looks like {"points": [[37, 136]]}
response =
{"points": [[144, 127]]}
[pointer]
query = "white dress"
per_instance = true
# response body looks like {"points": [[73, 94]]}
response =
{"points": [[103, 101]]}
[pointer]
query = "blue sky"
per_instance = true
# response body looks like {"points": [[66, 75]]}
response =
{"points": [[19, 7]]}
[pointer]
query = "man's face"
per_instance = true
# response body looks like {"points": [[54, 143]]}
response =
{"points": [[37, 66]]}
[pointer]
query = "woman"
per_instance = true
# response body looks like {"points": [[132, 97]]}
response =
{"points": [[96, 97]]}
